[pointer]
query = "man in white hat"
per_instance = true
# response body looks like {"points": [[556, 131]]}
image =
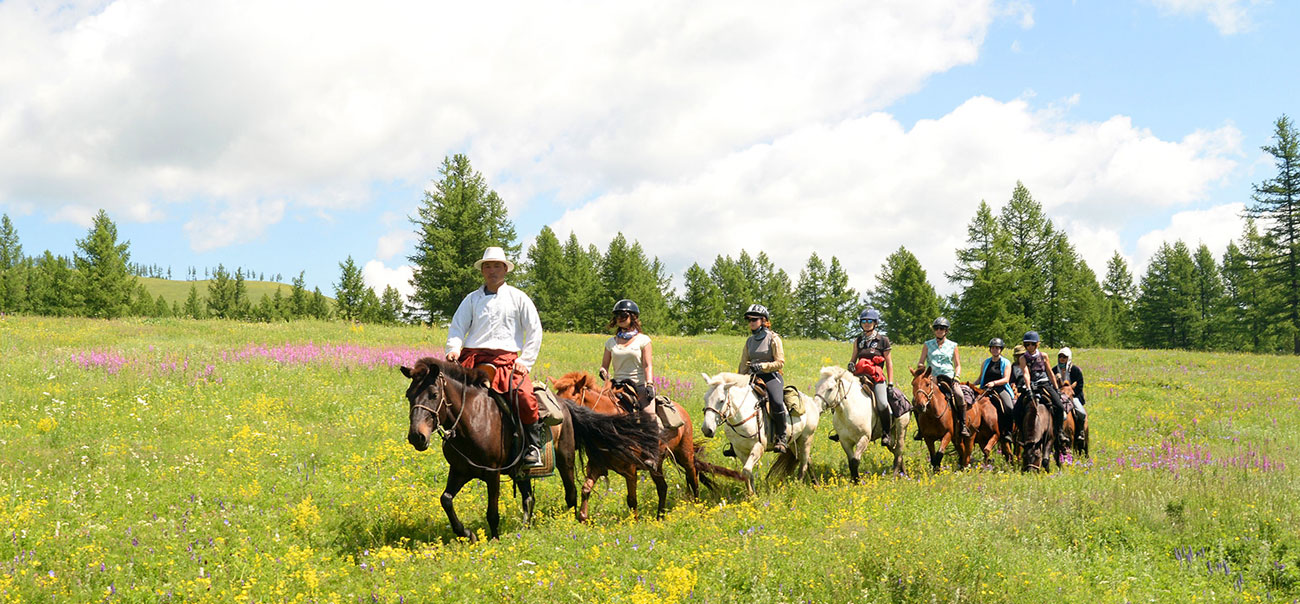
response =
{"points": [[498, 325]]}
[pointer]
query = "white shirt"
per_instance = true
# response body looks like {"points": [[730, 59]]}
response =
{"points": [[625, 359], [506, 320]]}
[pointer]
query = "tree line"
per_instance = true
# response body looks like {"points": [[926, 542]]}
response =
{"points": [[1017, 271]]}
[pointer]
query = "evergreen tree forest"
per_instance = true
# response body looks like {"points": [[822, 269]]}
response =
{"points": [[1016, 271]]}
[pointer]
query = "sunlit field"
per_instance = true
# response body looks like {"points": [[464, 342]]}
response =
{"points": [[182, 461]]}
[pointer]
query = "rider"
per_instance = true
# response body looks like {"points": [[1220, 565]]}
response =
{"points": [[1017, 374], [630, 353], [764, 357], [1069, 373], [1040, 378], [944, 361], [498, 325], [995, 375], [873, 365]]}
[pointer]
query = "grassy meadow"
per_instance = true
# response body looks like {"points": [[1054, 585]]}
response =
{"points": [[210, 461]]}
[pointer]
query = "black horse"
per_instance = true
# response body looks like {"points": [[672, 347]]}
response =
{"points": [[479, 440]]}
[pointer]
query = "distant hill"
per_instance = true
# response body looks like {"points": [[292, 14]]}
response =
{"points": [[179, 291]]}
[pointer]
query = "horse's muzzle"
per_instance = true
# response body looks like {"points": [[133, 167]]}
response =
{"points": [[708, 432], [417, 440]]}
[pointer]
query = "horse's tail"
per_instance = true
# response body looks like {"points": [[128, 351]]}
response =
{"points": [[784, 466], [703, 468], [624, 436]]}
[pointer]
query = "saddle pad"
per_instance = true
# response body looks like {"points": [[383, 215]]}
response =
{"points": [[793, 401], [967, 394], [548, 407], [898, 402], [548, 458]]}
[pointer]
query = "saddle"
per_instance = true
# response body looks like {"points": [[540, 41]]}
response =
{"points": [[897, 400]]}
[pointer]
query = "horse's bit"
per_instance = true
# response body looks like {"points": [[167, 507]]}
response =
{"points": [[730, 409]]}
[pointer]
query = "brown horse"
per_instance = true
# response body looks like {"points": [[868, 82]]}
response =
{"points": [[1075, 439], [982, 419], [677, 442], [1036, 434], [933, 420], [480, 441]]}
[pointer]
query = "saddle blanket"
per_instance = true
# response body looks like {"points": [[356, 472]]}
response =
{"points": [[668, 414], [548, 407]]}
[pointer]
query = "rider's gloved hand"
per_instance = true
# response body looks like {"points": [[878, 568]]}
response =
{"points": [[604, 374]]}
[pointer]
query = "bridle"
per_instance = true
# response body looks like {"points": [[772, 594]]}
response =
{"points": [[841, 396], [928, 395], [730, 409], [448, 433]]}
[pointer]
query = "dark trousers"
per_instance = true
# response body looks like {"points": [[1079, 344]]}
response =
{"points": [[776, 402]]}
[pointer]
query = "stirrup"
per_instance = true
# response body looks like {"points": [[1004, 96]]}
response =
{"points": [[533, 457]]}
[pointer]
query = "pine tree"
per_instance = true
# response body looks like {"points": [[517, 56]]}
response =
{"points": [[905, 298], [1210, 300], [982, 309], [1166, 306], [544, 280], [106, 286], [702, 308], [775, 289], [243, 305], [456, 221], [194, 308], [1250, 299], [841, 321], [625, 272], [737, 290], [299, 298], [318, 307], [161, 307], [391, 306], [810, 300], [142, 303], [264, 312], [1030, 235], [221, 295], [279, 305], [584, 310], [1277, 207], [13, 277], [1119, 295], [52, 289], [350, 292]]}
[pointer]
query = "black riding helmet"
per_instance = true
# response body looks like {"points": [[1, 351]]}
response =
{"points": [[756, 310], [940, 322], [628, 306], [996, 342], [1031, 337]]}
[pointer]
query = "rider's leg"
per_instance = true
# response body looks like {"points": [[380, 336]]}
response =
{"points": [[780, 416], [1004, 415], [958, 404], [526, 406], [1058, 410], [885, 414]]}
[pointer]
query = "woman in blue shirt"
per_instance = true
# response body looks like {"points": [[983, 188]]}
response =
{"points": [[941, 356], [995, 375]]}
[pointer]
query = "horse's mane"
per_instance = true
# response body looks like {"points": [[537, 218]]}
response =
{"points": [[574, 380], [733, 379], [451, 370]]}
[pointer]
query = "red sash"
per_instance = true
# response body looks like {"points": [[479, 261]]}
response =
{"points": [[504, 361]]}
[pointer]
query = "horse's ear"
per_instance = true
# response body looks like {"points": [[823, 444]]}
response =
{"points": [[914, 371], [926, 373], [406, 371], [707, 379], [484, 375]]}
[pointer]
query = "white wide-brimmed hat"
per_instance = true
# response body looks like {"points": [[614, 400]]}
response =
{"points": [[494, 254]]}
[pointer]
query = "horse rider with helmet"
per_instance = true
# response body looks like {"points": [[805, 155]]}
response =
{"points": [[763, 356], [941, 355], [1017, 374], [630, 355], [1069, 373], [873, 365], [995, 377], [498, 325], [1041, 379]]}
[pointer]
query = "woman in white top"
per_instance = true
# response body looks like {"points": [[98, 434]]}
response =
{"points": [[631, 357]]}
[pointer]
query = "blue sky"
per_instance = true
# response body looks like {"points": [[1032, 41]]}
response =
{"points": [[250, 135]]}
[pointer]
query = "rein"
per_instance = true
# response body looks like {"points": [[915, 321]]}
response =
{"points": [[448, 434], [929, 396], [731, 409]]}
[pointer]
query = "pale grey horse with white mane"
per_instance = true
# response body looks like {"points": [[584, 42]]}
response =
{"points": [[855, 417]]}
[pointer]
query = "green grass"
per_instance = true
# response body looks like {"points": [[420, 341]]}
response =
{"points": [[179, 291], [172, 460]]}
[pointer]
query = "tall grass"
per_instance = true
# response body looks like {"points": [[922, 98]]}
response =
{"points": [[165, 460]]}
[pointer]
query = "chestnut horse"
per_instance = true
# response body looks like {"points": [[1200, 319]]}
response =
{"points": [[480, 441], [982, 419], [677, 442], [933, 414]]}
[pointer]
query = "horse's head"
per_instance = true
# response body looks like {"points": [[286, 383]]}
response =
{"points": [[571, 384], [715, 400], [834, 386], [924, 388], [425, 398]]}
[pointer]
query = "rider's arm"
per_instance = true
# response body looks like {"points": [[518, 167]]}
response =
{"points": [[956, 362], [744, 360], [532, 326], [605, 360], [778, 356], [1024, 370], [854, 358], [647, 363], [460, 323], [925, 353]]}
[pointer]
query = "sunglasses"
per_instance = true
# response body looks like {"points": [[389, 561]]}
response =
{"points": [[868, 320], [622, 314], [753, 318], [941, 329]]}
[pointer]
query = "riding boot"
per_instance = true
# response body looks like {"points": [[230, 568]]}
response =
{"points": [[959, 411], [780, 430], [886, 426], [1058, 419], [533, 444]]}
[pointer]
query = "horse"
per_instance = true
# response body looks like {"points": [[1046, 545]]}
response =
{"points": [[677, 442], [1076, 438], [1036, 435], [982, 421], [933, 420], [854, 417], [478, 443], [730, 400]]}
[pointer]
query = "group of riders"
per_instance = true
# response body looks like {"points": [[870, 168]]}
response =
{"points": [[498, 325]]}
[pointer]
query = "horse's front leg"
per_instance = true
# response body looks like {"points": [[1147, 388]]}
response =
{"points": [[805, 455], [594, 472], [755, 453], [661, 489], [455, 482], [494, 497], [526, 499], [629, 477]]}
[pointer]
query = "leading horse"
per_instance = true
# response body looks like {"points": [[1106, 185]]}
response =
{"points": [[676, 442], [478, 441]]}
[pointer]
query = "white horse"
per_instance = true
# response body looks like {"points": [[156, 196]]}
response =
{"points": [[730, 400], [855, 417]]}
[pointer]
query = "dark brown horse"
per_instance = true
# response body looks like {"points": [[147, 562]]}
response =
{"points": [[933, 414], [982, 419], [1036, 434], [480, 441], [677, 442]]}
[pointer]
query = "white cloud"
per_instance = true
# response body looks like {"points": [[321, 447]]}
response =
{"points": [[377, 276], [234, 224], [234, 102], [393, 243], [1228, 16], [861, 187], [1215, 227]]}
